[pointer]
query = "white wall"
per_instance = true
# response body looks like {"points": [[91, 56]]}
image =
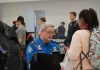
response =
{"points": [[0, 11], [56, 11], [9, 1]]}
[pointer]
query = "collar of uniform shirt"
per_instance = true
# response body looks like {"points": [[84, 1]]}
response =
{"points": [[40, 42]]}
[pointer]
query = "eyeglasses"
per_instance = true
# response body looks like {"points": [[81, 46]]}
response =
{"points": [[49, 32]]}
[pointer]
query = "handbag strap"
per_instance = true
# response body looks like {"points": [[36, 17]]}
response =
{"points": [[81, 59], [81, 66]]}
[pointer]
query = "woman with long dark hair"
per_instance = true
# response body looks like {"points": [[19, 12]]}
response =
{"points": [[80, 41]]}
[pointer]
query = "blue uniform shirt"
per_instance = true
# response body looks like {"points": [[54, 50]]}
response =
{"points": [[39, 47]]}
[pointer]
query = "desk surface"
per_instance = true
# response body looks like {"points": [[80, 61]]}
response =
{"points": [[59, 40]]}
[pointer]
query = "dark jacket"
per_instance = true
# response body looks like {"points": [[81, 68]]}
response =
{"points": [[61, 31], [9, 43], [72, 27], [14, 27]]}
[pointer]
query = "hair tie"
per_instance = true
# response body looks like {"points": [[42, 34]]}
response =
{"points": [[86, 26]]}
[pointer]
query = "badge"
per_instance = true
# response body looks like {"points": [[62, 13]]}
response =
{"points": [[39, 47]]}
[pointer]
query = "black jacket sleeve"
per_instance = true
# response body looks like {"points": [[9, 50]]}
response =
{"points": [[72, 28]]}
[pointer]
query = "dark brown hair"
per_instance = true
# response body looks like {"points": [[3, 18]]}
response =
{"points": [[74, 13], [21, 18], [90, 18], [43, 19]]}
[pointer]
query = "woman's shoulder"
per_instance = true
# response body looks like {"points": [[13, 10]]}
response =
{"points": [[82, 32]]}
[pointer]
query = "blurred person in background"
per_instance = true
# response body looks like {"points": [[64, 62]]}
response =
{"points": [[61, 30], [40, 21], [21, 34], [15, 26], [72, 28]]}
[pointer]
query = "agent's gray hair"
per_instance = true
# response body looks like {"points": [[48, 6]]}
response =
{"points": [[45, 26]]}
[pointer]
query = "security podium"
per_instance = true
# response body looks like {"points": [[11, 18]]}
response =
{"points": [[46, 61]]}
